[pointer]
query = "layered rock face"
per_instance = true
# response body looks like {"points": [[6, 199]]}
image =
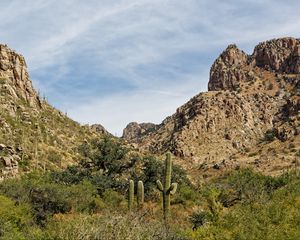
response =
{"points": [[280, 55], [15, 78], [249, 96]]}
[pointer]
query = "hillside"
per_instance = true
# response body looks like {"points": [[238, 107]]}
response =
{"points": [[33, 134], [249, 116]]}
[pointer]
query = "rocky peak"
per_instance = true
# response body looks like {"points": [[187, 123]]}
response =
{"points": [[280, 55], [233, 56], [14, 77], [134, 131], [227, 72], [234, 67]]}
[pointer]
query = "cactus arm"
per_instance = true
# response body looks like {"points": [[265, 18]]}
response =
{"points": [[168, 171], [159, 186], [173, 188]]}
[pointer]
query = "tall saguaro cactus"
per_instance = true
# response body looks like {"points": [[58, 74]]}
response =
{"points": [[140, 194], [130, 195], [167, 189]]}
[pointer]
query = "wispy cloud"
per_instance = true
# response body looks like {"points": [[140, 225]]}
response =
{"points": [[133, 60]]}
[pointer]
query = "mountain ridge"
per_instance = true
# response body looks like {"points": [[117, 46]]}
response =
{"points": [[249, 97]]}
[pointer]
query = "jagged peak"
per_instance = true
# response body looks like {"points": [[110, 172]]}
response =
{"points": [[233, 66]]}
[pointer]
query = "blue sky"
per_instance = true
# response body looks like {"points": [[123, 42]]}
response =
{"points": [[117, 61]]}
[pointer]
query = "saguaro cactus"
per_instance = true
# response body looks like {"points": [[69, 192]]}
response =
{"points": [[130, 195], [167, 189], [140, 194]]}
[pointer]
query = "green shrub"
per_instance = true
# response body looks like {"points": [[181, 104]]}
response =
{"points": [[48, 199], [273, 215], [72, 175], [113, 199], [108, 155], [13, 219], [270, 135], [187, 195]]}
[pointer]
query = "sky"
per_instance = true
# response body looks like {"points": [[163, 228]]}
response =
{"points": [[117, 61]]}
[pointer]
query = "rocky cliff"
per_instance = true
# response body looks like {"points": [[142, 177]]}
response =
{"points": [[15, 78], [252, 105], [33, 135]]}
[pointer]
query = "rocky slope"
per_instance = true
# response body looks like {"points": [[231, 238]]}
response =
{"points": [[33, 134], [250, 115]]}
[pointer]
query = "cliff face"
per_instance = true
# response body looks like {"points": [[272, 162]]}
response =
{"points": [[15, 78], [250, 97], [33, 135]]}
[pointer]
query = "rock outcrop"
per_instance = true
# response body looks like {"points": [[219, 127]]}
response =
{"points": [[229, 70], [134, 131], [14, 77], [99, 129], [280, 55], [9, 161]]}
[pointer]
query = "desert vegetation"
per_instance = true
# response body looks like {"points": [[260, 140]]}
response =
{"points": [[90, 201]]}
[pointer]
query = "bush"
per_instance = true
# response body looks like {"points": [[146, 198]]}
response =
{"points": [[270, 135], [47, 198], [113, 199], [72, 175], [13, 219], [273, 215], [186, 195], [108, 155]]}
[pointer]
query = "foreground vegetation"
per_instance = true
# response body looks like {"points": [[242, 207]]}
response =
{"points": [[89, 201]]}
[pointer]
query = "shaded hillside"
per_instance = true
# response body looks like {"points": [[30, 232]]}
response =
{"points": [[251, 109], [33, 134]]}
